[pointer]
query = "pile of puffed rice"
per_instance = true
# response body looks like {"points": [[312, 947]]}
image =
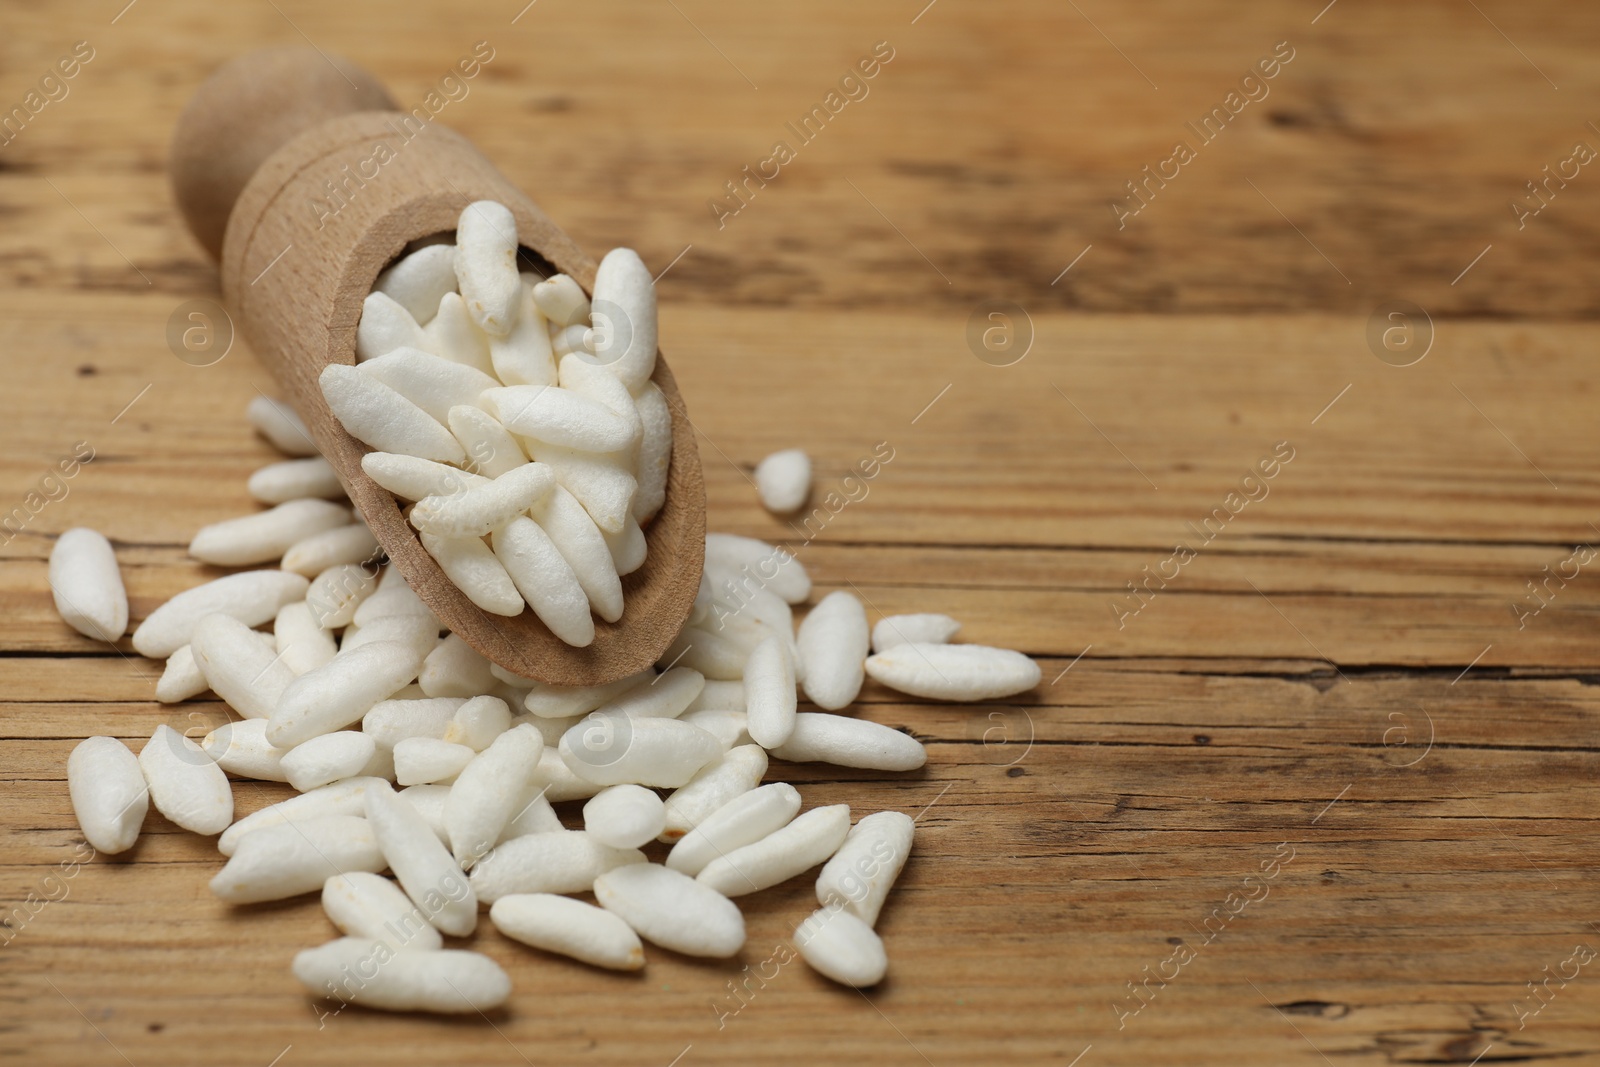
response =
{"points": [[356, 688]]}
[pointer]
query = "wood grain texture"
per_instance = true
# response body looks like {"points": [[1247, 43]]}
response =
{"points": [[996, 141], [1339, 689]]}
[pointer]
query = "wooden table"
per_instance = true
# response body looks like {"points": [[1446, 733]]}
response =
{"points": [[1326, 797]]}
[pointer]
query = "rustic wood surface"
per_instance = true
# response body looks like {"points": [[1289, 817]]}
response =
{"points": [[1323, 782]]}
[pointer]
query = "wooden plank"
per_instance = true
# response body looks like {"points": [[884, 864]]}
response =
{"points": [[1400, 168], [1440, 451], [1396, 534], [1119, 796]]}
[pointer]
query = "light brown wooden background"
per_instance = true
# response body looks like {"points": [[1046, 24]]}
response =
{"points": [[1285, 688]]}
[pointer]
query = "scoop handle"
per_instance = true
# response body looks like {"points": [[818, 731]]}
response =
{"points": [[248, 109]]}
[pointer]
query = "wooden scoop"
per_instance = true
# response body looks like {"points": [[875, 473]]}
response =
{"points": [[297, 172]]}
